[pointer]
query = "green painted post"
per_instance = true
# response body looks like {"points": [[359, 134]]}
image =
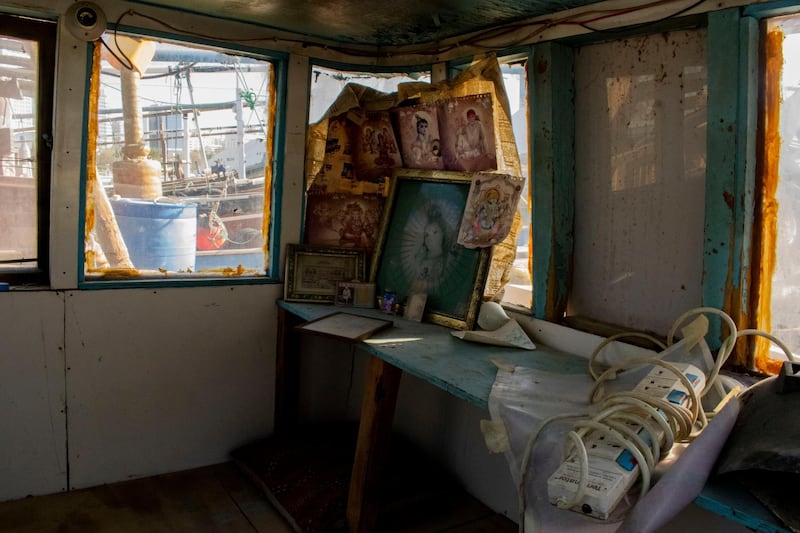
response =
{"points": [[730, 165], [550, 77]]}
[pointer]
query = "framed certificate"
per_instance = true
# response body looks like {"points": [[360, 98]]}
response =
{"points": [[312, 272]]}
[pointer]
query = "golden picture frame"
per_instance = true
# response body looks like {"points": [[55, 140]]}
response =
{"points": [[312, 272], [417, 249]]}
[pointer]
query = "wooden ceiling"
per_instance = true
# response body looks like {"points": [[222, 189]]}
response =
{"points": [[377, 22]]}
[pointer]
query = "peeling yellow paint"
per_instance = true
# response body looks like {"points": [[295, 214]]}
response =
{"points": [[766, 227], [268, 170], [91, 154]]}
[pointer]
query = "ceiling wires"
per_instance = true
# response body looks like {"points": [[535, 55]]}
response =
{"points": [[491, 39], [586, 24]]}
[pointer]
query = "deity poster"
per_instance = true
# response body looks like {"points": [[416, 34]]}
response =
{"points": [[376, 151], [337, 167], [346, 220], [491, 205], [419, 136], [467, 127]]}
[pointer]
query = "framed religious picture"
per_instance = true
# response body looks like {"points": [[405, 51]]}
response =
{"points": [[420, 141], [492, 204], [417, 250], [467, 128], [313, 272], [342, 220]]}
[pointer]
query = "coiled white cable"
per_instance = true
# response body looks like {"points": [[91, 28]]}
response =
{"points": [[665, 423], [648, 413]]}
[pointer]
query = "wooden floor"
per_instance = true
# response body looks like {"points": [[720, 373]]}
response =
{"points": [[214, 498]]}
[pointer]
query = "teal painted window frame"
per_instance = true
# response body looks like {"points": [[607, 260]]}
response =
{"points": [[272, 270], [732, 112], [730, 169]]}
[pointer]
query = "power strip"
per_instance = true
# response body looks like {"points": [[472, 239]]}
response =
{"points": [[613, 469]]}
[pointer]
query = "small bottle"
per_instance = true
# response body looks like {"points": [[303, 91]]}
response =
{"points": [[388, 301]]}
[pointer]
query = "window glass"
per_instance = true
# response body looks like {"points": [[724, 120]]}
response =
{"points": [[518, 291], [26, 70], [785, 305], [326, 84], [640, 152], [183, 161]]}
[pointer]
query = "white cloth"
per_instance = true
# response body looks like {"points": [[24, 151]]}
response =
{"points": [[523, 397]]}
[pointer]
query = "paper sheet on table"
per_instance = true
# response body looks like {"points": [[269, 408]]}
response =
{"points": [[509, 334]]}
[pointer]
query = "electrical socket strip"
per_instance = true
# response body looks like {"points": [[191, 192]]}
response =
{"points": [[612, 468]]}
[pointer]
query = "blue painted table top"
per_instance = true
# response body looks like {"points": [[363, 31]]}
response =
{"points": [[430, 352]]}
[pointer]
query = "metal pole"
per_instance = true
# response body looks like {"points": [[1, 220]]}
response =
{"points": [[196, 120], [241, 164]]}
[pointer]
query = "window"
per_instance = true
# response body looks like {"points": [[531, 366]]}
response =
{"points": [[640, 153], [326, 84], [518, 291], [27, 62], [781, 221], [181, 179]]}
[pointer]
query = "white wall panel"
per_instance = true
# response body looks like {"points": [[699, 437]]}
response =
{"points": [[166, 379], [32, 420]]}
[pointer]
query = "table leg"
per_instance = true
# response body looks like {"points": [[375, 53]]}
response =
{"points": [[286, 370], [374, 435]]}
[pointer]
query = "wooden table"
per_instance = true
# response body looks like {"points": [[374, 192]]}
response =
{"points": [[424, 350], [433, 354]]}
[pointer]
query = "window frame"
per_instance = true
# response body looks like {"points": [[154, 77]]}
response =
{"points": [[45, 33], [730, 173], [552, 172], [272, 275], [754, 25], [724, 284]]}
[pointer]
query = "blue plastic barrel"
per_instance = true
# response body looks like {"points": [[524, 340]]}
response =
{"points": [[158, 235]]}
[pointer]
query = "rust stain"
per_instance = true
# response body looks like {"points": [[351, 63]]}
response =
{"points": [[764, 246], [734, 308], [752, 353], [113, 273], [541, 67], [728, 197]]}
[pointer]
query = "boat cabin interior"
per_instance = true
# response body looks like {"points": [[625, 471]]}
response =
{"points": [[262, 232]]}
